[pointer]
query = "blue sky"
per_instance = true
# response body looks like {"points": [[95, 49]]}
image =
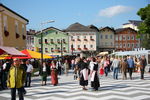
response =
{"points": [[100, 13]]}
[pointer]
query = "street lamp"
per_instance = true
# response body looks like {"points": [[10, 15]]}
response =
{"points": [[50, 21]]}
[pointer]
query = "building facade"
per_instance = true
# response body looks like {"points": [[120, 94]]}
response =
{"points": [[125, 39], [55, 42], [132, 24], [30, 40], [106, 41], [83, 39], [12, 28]]}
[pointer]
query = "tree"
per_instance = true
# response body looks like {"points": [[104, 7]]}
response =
{"points": [[144, 27]]}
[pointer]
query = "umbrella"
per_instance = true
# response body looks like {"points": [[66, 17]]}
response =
{"points": [[34, 54]]}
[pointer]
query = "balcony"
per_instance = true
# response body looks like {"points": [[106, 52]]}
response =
{"points": [[85, 48], [72, 48], [46, 42], [46, 51], [79, 48], [92, 39], [65, 50], [78, 40], [57, 50], [85, 40]]}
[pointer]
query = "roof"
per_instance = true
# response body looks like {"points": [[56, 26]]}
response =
{"points": [[13, 12], [134, 22], [93, 27], [122, 29], [77, 27], [106, 28], [10, 51]]}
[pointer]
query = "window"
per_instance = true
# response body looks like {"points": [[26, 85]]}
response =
{"points": [[84, 37], [101, 36], [23, 30], [128, 45], [16, 27], [84, 46], [132, 45], [106, 36], [51, 40], [124, 45], [52, 49], [120, 37], [78, 46], [132, 37], [58, 40], [46, 41], [116, 45], [111, 44], [116, 37], [32, 40], [5, 23], [78, 37], [64, 41], [91, 37], [105, 43], [124, 37], [111, 36], [64, 48], [128, 37], [46, 49], [120, 45], [71, 37], [91, 46]]}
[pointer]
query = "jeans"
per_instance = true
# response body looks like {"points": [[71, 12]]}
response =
{"points": [[13, 93], [106, 71], [142, 72], [130, 72], [115, 74], [28, 79]]}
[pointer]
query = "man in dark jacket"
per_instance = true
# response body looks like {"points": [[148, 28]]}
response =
{"points": [[143, 65]]}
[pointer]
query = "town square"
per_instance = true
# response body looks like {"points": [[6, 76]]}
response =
{"points": [[75, 50]]}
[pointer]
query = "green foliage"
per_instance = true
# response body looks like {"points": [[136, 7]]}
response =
{"points": [[144, 27]]}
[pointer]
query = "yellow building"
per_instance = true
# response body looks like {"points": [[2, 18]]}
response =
{"points": [[12, 28]]}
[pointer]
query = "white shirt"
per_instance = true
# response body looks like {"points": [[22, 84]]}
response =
{"points": [[29, 68]]}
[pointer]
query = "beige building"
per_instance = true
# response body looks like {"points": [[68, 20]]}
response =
{"points": [[12, 28], [83, 39], [106, 39]]}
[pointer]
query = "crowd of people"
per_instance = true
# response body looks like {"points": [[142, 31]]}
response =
{"points": [[17, 74]]}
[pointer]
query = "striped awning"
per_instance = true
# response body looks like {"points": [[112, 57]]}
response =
{"points": [[10, 51]]}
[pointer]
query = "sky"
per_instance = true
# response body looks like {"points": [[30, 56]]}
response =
{"points": [[101, 13]]}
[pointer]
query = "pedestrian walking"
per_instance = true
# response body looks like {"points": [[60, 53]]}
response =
{"points": [[94, 74], [115, 65], [124, 67], [54, 77], [83, 73], [16, 78], [29, 72], [130, 66], [44, 72], [66, 67], [143, 65], [59, 67]]}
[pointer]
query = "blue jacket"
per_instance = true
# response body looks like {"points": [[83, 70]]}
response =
{"points": [[130, 63]]}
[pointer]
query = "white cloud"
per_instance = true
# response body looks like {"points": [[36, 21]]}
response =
{"points": [[114, 10]]}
